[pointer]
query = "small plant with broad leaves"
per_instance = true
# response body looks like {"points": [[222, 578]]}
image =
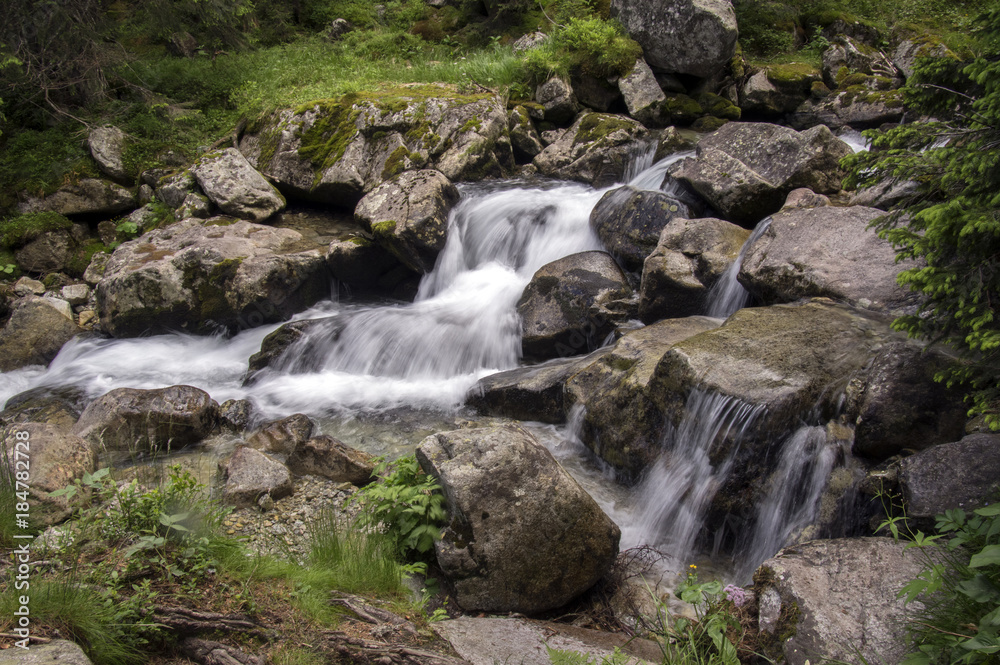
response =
{"points": [[406, 503], [959, 589]]}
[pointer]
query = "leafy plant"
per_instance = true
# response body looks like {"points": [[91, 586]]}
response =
{"points": [[951, 226], [404, 502], [959, 589]]}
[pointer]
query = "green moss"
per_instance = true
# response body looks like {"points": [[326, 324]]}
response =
{"points": [[326, 140], [719, 106], [794, 76], [18, 231], [708, 123], [77, 264], [681, 109], [398, 161], [473, 124], [819, 90], [55, 280], [892, 99], [384, 229], [596, 126]]}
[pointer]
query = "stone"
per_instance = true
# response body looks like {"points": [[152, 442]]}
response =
{"points": [[690, 257], [194, 205], [745, 170], [621, 421], [107, 145], [236, 187], [567, 309], [524, 137], [87, 196], [250, 474], [182, 45], [838, 598], [337, 29], [95, 269], [629, 221], [856, 109], [63, 652], [962, 474], [595, 150], [282, 436], [237, 415], [696, 37], [174, 189], [847, 56], [57, 459], [557, 98], [76, 294], [362, 263], [26, 286], [137, 420], [529, 393], [897, 406], [523, 536], [326, 457], [827, 251], [642, 94], [335, 151], [909, 50], [55, 406], [36, 331], [408, 216], [597, 93], [885, 195], [206, 276], [529, 41], [46, 253], [805, 198]]}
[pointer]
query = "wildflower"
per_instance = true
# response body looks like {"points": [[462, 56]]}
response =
{"points": [[736, 594]]}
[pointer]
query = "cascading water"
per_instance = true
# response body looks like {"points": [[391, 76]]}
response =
{"points": [[793, 496], [727, 296], [673, 497]]}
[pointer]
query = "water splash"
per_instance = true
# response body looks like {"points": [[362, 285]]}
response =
{"points": [[793, 497], [727, 296], [675, 494]]}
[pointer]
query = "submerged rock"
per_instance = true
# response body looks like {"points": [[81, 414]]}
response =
{"points": [[523, 536], [838, 598], [745, 170], [567, 308], [206, 276], [148, 420]]}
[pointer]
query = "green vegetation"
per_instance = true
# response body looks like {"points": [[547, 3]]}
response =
{"points": [[18, 231], [952, 225], [591, 45]]}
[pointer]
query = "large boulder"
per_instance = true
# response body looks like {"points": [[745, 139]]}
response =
{"points": [[964, 474], [87, 196], [335, 151], [205, 276], [745, 170], [56, 457], [568, 308], [250, 475], [629, 221], [690, 257], [231, 183], [523, 536], [642, 94], [897, 405], [529, 393], [36, 330], [622, 423], [557, 98], [837, 598], [408, 216], [695, 37], [858, 107], [595, 150], [148, 420], [826, 251]]}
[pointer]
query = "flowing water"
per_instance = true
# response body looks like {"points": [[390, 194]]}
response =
{"points": [[727, 296], [382, 376]]}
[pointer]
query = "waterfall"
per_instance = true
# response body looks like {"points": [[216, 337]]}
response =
{"points": [[674, 496], [727, 296], [792, 499]]}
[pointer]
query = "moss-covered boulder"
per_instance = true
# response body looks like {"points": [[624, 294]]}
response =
{"points": [[334, 151], [408, 216], [622, 424], [847, 56], [569, 306], [778, 89], [858, 106], [523, 536], [206, 276], [745, 170], [629, 221], [87, 196], [595, 150], [827, 251], [689, 258]]}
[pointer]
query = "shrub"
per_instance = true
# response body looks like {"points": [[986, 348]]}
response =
{"points": [[591, 45]]}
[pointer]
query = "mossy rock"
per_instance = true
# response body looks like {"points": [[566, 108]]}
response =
{"points": [[18, 231], [708, 123], [681, 109], [596, 126], [719, 106], [793, 77]]}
